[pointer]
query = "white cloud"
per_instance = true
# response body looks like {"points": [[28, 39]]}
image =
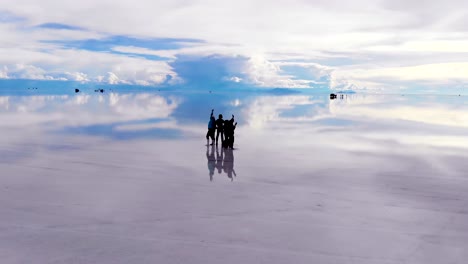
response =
{"points": [[5, 102], [264, 73], [57, 110], [112, 78], [77, 76], [268, 108], [236, 103], [81, 99], [443, 46], [26, 71], [235, 79], [307, 31], [4, 73], [428, 74], [373, 108], [141, 106], [323, 24], [81, 65]]}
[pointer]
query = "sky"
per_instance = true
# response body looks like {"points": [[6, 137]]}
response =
{"points": [[377, 45]]}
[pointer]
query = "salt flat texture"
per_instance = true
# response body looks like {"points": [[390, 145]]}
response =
{"points": [[125, 178]]}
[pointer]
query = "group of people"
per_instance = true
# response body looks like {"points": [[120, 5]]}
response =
{"points": [[225, 128]]}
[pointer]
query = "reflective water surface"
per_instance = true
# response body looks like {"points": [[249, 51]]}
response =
{"points": [[127, 177]]}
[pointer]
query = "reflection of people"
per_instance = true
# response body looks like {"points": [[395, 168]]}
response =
{"points": [[211, 161], [219, 160], [228, 163], [211, 129], [223, 162], [219, 128]]}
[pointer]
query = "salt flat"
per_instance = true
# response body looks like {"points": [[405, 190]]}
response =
{"points": [[127, 178]]}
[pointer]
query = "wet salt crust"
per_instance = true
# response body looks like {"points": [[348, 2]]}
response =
{"points": [[121, 177]]}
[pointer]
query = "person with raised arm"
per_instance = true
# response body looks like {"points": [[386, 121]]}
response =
{"points": [[219, 128], [229, 127], [211, 129]]}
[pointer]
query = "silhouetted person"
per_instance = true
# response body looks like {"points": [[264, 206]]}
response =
{"points": [[232, 132], [229, 127], [211, 129], [211, 161], [228, 164], [219, 128]]}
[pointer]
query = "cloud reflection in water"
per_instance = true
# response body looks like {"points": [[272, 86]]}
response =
{"points": [[375, 167], [428, 120]]}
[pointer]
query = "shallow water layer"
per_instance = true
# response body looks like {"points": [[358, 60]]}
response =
{"points": [[127, 177]]}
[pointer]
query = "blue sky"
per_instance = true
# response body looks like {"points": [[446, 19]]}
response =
{"points": [[364, 45]]}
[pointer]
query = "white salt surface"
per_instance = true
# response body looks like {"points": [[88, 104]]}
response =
{"points": [[369, 187]]}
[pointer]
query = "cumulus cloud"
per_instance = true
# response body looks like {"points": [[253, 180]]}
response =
{"points": [[254, 71], [81, 65], [77, 76], [364, 30], [112, 78], [24, 71], [263, 73], [209, 71]]}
